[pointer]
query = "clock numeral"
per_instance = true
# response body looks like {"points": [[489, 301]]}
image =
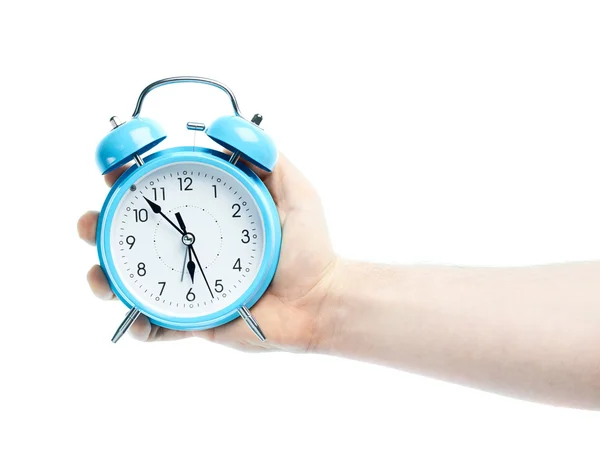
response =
{"points": [[238, 265], [155, 190], [236, 213], [190, 296], [130, 241], [162, 289], [182, 184], [219, 285], [141, 215], [245, 236], [215, 190], [141, 269]]}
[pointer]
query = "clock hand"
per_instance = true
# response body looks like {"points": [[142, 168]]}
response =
{"points": [[184, 263], [251, 322], [201, 269], [156, 209], [191, 267], [126, 324], [180, 222]]}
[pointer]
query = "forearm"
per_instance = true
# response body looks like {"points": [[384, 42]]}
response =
{"points": [[532, 332]]}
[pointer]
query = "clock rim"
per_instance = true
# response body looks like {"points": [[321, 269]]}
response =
{"points": [[266, 207]]}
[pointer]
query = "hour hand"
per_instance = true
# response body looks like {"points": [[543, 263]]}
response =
{"points": [[180, 221]]}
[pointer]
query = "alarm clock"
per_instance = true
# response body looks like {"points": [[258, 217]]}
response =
{"points": [[188, 236]]}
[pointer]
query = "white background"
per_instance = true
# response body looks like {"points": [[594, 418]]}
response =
{"points": [[461, 132]]}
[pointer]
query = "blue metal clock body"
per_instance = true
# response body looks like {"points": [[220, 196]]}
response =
{"points": [[250, 181], [130, 141]]}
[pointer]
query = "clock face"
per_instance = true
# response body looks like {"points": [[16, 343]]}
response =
{"points": [[187, 239]]}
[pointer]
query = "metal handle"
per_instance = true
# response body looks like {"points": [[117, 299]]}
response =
{"points": [[185, 79]]}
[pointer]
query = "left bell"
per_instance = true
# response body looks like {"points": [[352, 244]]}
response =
{"points": [[127, 140]]}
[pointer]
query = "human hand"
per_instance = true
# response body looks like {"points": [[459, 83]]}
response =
{"points": [[289, 312]]}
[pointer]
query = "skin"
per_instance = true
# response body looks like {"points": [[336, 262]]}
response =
{"points": [[531, 333]]}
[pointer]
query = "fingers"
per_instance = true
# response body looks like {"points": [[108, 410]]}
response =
{"points": [[143, 330], [239, 338], [86, 227], [99, 284], [111, 177], [228, 334], [157, 333]]}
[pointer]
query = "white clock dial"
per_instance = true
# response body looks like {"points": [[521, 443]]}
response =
{"points": [[227, 234]]}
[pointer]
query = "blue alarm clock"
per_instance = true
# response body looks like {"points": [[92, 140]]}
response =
{"points": [[187, 236]]}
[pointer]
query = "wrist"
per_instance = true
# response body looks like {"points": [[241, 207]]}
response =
{"points": [[356, 311], [331, 312]]}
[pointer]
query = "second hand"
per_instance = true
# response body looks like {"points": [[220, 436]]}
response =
{"points": [[183, 267], [201, 270]]}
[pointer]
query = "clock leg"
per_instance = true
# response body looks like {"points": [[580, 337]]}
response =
{"points": [[126, 324], [251, 322]]}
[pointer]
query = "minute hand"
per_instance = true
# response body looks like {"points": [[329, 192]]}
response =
{"points": [[201, 270], [156, 209]]}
